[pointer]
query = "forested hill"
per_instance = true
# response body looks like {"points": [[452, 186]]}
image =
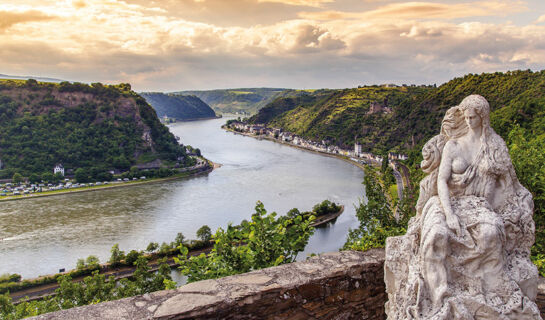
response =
{"points": [[400, 118], [179, 107], [81, 126], [244, 100]]}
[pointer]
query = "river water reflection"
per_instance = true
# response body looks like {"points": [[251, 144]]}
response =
{"points": [[44, 234]]}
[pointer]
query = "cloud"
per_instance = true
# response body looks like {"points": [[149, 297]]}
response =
{"points": [[306, 3], [151, 46], [540, 19], [424, 10], [9, 19]]}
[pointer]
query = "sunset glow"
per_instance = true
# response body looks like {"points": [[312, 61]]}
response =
{"points": [[202, 44]]}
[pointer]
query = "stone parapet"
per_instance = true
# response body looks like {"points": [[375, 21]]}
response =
{"points": [[339, 285]]}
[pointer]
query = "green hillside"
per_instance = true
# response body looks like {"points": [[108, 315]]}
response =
{"points": [[338, 116], [415, 112], [78, 125], [243, 100], [178, 106]]}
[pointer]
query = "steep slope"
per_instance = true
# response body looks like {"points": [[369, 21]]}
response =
{"points": [[338, 116], [178, 106], [80, 126], [400, 118], [244, 100]]}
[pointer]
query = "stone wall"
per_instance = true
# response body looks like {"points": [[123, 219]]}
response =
{"points": [[339, 285]]}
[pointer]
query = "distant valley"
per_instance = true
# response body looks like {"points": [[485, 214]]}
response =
{"points": [[178, 107], [244, 101]]}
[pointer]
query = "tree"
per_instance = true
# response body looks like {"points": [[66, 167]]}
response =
{"points": [[92, 261], [17, 178], [180, 238], [58, 177], [376, 216], [204, 233], [131, 257], [104, 176], [117, 255], [152, 246], [384, 164], [82, 175], [34, 178], [164, 249], [121, 163], [48, 177], [80, 264]]}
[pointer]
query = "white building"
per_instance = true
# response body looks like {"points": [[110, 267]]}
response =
{"points": [[357, 148], [59, 168]]}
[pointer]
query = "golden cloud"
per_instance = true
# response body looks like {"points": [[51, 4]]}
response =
{"points": [[306, 3], [541, 19], [424, 10], [8, 19], [143, 43]]}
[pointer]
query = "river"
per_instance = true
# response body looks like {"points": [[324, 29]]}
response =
{"points": [[42, 235]]}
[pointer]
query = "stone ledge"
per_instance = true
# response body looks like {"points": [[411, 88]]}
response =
{"points": [[338, 285]]}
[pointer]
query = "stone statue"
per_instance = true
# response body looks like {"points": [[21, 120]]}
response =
{"points": [[466, 252]]}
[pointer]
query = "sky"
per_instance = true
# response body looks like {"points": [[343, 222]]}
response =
{"points": [[172, 45]]}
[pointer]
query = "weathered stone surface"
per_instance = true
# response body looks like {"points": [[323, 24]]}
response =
{"points": [[466, 254], [287, 295], [329, 286]]}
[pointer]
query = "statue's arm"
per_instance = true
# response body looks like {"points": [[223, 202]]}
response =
{"points": [[445, 170]]}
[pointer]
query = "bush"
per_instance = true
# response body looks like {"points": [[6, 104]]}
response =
{"points": [[10, 277], [204, 233], [131, 257], [152, 246], [117, 256]]}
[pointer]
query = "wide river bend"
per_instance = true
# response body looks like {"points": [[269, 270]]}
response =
{"points": [[42, 235]]}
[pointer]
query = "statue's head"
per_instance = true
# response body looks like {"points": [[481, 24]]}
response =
{"points": [[475, 108]]}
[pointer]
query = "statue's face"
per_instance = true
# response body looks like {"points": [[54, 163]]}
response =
{"points": [[472, 118]]}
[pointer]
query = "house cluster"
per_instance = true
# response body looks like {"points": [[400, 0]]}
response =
{"points": [[395, 156], [13, 189], [10, 189], [321, 146]]}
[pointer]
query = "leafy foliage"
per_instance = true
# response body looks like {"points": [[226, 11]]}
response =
{"points": [[93, 289], [204, 233], [264, 241], [377, 216]]}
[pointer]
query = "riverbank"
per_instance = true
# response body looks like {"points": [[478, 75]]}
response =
{"points": [[402, 180], [190, 173], [41, 291], [337, 156]]}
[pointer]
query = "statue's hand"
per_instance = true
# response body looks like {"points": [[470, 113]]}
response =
{"points": [[454, 223]]}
